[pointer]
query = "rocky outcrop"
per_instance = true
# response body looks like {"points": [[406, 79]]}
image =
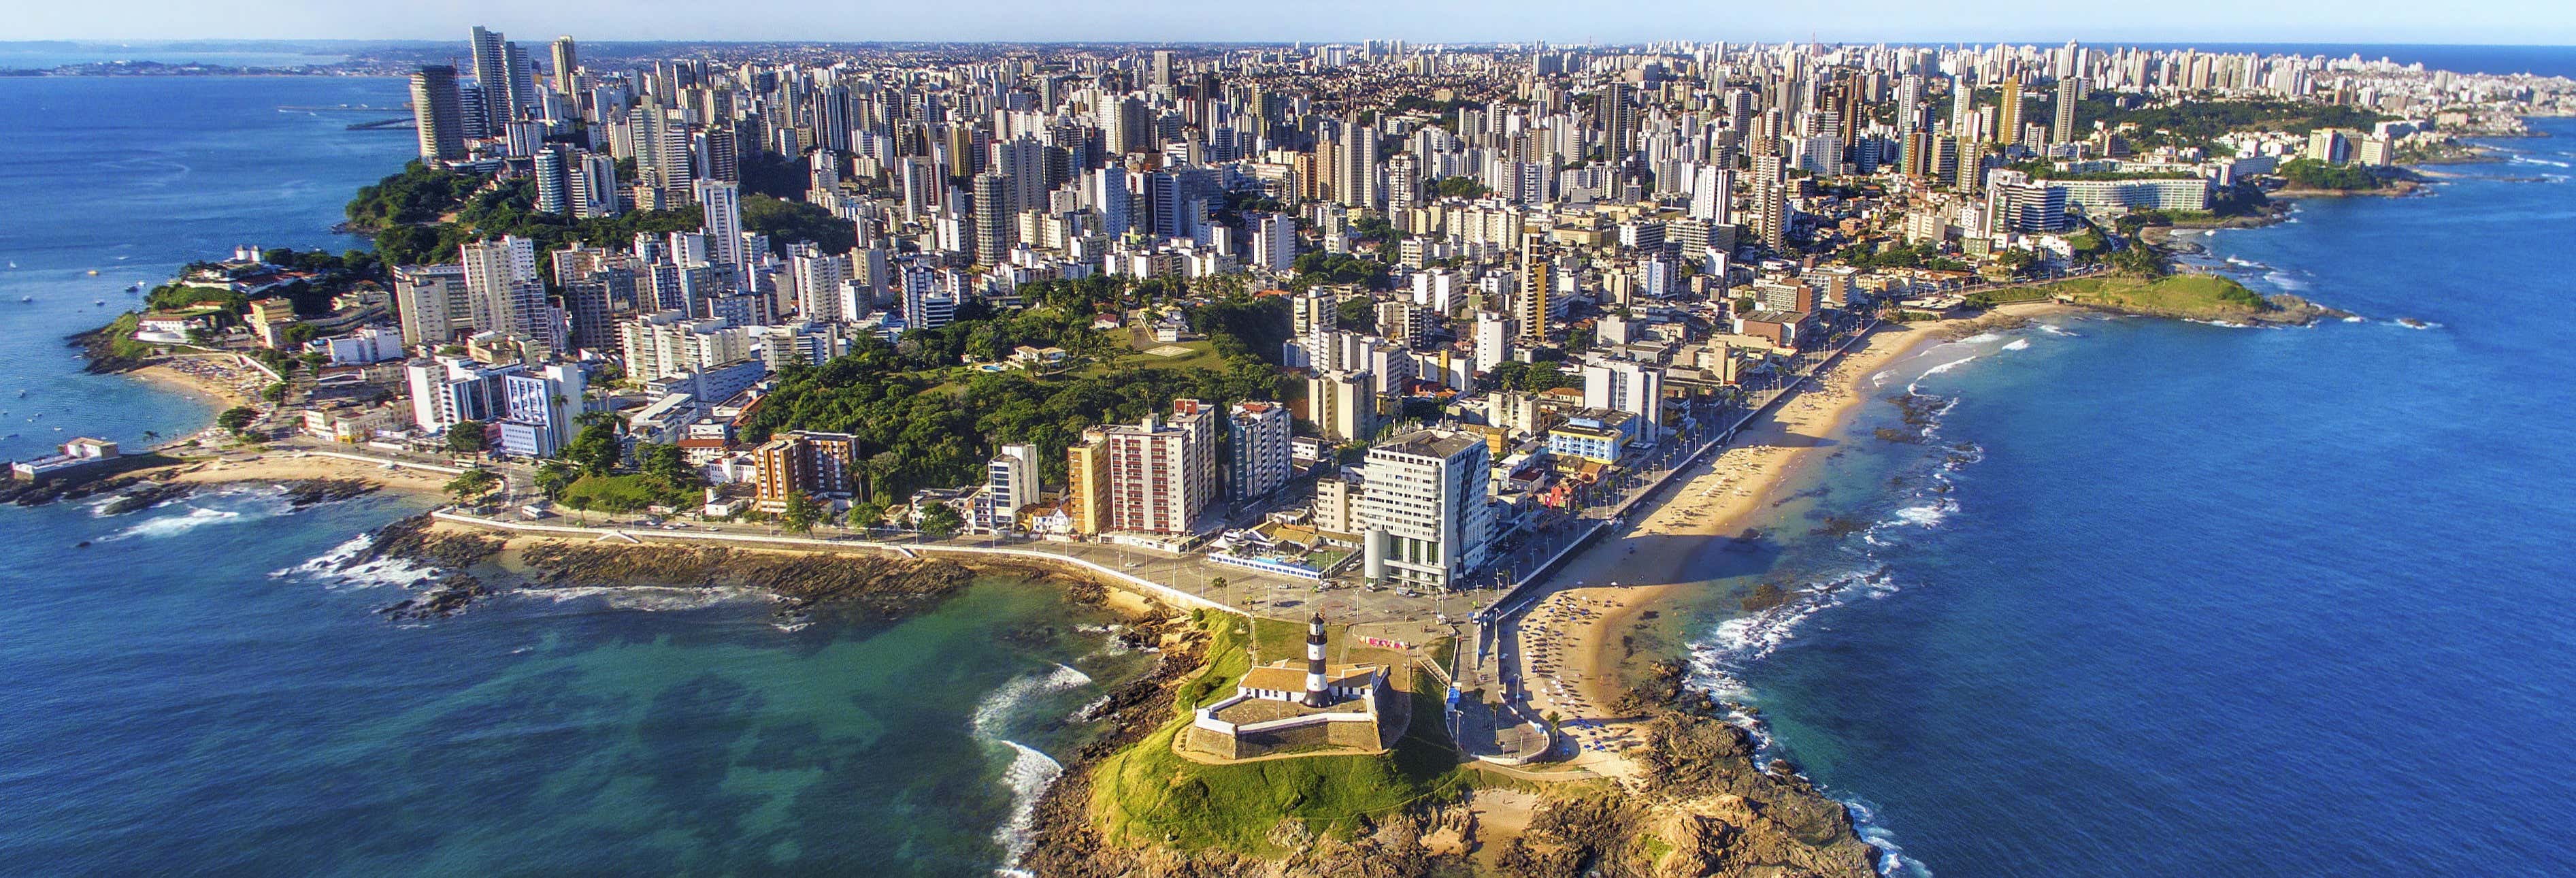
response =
{"points": [[312, 491], [1701, 806], [99, 348], [415, 539], [872, 583], [143, 496], [448, 597]]}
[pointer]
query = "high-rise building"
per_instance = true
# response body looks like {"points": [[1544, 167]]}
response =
{"points": [[993, 226], [1274, 242], [2070, 93], [439, 113], [503, 290], [1627, 386], [1257, 450], [491, 75], [567, 80], [1343, 405], [432, 303], [2008, 116], [668, 343], [1355, 167], [817, 465], [722, 205], [1538, 281], [1493, 340], [594, 185], [1771, 202], [1086, 489], [1162, 473], [1010, 482], [1423, 510], [551, 167], [1711, 189]]}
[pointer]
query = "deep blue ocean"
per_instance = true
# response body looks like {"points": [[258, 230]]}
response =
{"points": [[2162, 598], [191, 694]]}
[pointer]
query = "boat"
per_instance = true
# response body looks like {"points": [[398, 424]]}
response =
{"points": [[26, 298], [93, 272], [100, 303]]}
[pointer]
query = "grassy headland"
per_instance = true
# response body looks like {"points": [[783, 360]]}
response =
{"points": [[2187, 296], [1150, 795]]}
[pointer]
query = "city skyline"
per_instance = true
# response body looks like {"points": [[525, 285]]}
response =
{"points": [[2508, 23]]}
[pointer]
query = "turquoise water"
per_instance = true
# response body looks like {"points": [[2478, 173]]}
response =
{"points": [[191, 693], [2165, 598]]}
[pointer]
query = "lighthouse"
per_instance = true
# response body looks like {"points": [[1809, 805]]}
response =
{"points": [[1315, 661]]}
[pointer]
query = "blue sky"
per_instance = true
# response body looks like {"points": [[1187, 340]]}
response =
{"points": [[2209, 21]]}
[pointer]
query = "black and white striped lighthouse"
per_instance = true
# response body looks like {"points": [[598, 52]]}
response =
{"points": [[1315, 661]]}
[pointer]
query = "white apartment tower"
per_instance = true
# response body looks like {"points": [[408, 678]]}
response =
{"points": [[1423, 513]]}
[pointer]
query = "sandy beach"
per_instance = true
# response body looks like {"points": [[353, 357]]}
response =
{"points": [[1570, 638], [214, 376], [292, 465]]}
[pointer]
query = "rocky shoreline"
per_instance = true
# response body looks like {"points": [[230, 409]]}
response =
{"points": [[462, 565], [1701, 807]]}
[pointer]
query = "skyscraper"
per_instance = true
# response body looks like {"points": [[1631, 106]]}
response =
{"points": [[992, 206], [722, 204], [2008, 116], [438, 112], [1274, 241], [492, 75], [1257, 443], [1538, 280], [1770, 202], [1355, 167], [552, 167], [566, 62], [2070, 91]]}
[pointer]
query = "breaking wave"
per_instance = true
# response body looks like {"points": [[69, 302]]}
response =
{"points": [[335, 568], [1030, 771], [1912, 387], [2018, 344], [1028, 776], [648, 598], [229, 507]]}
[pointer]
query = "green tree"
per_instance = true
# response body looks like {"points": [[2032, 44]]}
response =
{"points": [[596, 448], [237, 418], [467, 437], [941, 522], [865, 514], [554, 476], [472, 485], [275, 392], [801, 513]]}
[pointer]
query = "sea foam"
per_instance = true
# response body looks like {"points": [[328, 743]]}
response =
{"points": [[1030, 771]]}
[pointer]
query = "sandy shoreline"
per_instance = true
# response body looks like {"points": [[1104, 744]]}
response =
{"points": [[209, 376], [292, 465], [1573, 634]]}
